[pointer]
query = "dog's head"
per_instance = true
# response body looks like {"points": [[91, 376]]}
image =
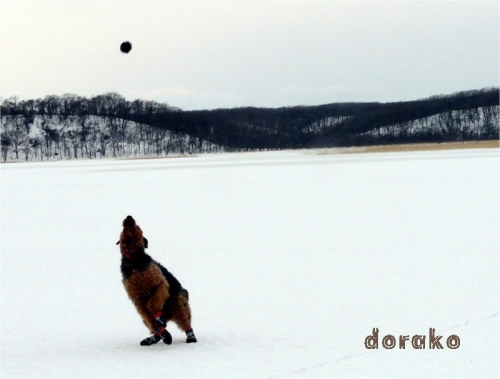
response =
{"points": [[131, 238]]}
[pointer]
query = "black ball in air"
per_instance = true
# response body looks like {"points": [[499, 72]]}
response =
{"points": [[125, 47]]}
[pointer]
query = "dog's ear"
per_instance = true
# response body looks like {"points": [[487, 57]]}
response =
{"points": [[145, 242]]}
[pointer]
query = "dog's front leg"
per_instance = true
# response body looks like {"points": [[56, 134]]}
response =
{"points": [[147, 317], [157, 300], [154, 319], [155, 306]]}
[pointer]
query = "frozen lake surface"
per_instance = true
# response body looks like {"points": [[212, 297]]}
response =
{"points": [[290, 258]]}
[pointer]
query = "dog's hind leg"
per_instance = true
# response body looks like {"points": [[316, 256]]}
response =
{"points": [[182, 317]]}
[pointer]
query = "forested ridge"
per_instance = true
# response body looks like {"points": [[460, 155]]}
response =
{"points": [[71, 126]]}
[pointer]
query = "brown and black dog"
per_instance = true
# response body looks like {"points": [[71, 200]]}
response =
{"points": [[156, 293]]}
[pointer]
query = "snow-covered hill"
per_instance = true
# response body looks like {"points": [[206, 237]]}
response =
{"points": [[474, 122], [74, 137], [290, 258]]}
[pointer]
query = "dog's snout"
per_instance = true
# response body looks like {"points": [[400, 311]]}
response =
{"points": [[129, 221]]}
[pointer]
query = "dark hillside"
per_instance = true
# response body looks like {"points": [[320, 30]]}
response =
{"points": [[468, 115]]}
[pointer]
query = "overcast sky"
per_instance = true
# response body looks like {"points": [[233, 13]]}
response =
{"points": [[222, 54]]}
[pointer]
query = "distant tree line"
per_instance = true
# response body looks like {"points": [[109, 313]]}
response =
{"points": [[44, 137], [479, 123], [467, 115], [109, 125]]}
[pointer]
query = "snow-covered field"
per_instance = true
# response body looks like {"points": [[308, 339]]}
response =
{"points": [[290, 259]]}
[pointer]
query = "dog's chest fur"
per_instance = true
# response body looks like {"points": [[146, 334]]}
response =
{"points": [[136, 263], [141, 275]]}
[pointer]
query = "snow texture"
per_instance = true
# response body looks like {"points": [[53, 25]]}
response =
{"points": [[290, 259]]}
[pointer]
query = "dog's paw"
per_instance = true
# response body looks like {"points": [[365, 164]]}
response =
{"points": [[166, 337], [163, 334], [191, 338], [150, 340]]}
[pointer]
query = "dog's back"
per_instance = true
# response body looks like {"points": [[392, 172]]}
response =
{"points": [[174, 285]]}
